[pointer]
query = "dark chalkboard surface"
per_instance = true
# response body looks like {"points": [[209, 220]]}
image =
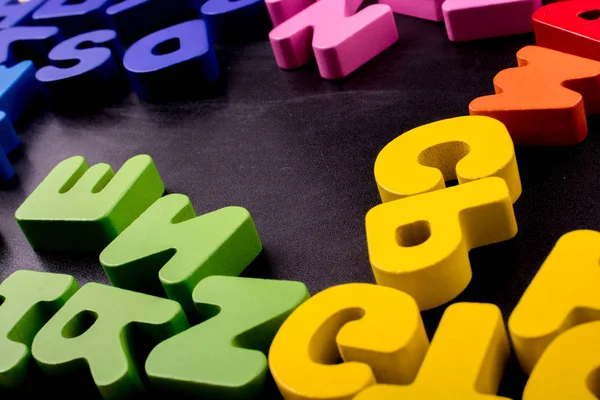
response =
{"points": [[298, 152]]}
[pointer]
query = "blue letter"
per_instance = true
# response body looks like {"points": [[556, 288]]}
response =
{"points": [[134, 19], [28, 43], [175, 62], [8, 142], [12, 14], [94, 80], [73, 19], [236, 20], [18, 88]]}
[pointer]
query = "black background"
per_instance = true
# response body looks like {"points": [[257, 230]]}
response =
{"points": [[298, 151]]}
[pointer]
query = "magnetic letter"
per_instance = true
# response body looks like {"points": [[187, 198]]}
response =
{"points": [[571, 27], [169, 246], [236, 20], [28, 43], [545, 99], [342, 38], [463, 148], [12, 14], [178, 61], [420, 244], [28, 299], [376, 331], [465, 361], [224, 357], [76, 208], [73, 17], [569, 367], [563, 294], [92, 331], [95, 79]]}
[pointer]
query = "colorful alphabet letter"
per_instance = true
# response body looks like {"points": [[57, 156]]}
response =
{"points": [[563, 294], [224, 357], [93, 331], [28, 299], [464, 148], [169, 250], [420, 244], [376, 331], [544, 101], [341, 43], [81, 208]]}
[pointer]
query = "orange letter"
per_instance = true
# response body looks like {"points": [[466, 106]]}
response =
{"points": [[544, 101]]}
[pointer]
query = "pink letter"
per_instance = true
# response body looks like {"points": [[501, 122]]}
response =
{"points": [[282, 10], [341, 41]]}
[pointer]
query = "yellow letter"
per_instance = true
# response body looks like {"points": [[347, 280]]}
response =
{"points": [[376, 331], [465, 361], [463, 148], [420, 244], [569, 368], [563, 294]]}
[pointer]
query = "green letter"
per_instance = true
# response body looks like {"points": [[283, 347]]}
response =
{"points": [[93, 330], [224, 357], [169, 238], [28, 299], [76, 208]]}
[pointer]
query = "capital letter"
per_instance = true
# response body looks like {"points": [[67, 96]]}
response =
{"points": [[28, 300], [282, 10], [76, 208], [340, 43], [223, 358], [544, 101], [94, 329], [169, 238]]}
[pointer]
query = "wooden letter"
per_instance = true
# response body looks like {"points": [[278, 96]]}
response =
{"points": [[463, 148], [420, 244], [544, 101], [563, 294], [376, 331]]}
